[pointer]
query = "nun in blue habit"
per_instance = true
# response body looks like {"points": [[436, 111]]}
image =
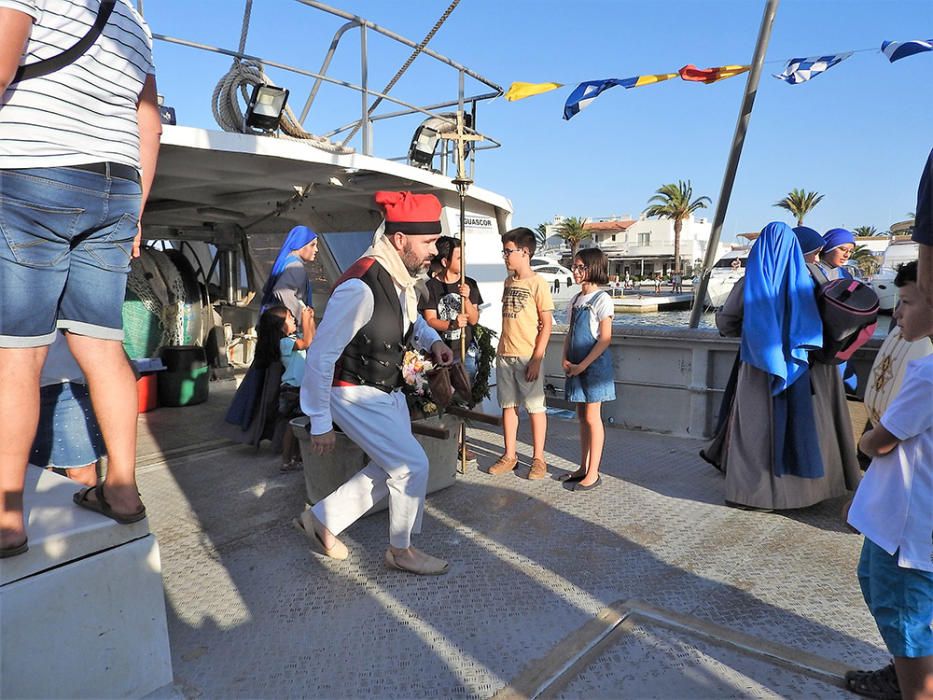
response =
{"points": [[838, 245], [781, 446], [251, 417], [288, 284]]}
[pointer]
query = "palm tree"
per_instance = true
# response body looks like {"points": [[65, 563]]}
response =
{"points": [[572, 231], [541, 235], [865, 231], [865, 259], [673, 202], [799, 203]]}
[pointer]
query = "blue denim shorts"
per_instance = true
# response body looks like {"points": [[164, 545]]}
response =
{"points": [[900, 600], [66, 238], [68, 434]]}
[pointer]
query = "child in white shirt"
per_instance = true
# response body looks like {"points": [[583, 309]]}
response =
{"points": [[893, 509]]}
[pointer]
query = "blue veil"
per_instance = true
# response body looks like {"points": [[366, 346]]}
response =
{"points": [[298, 237], [781, 320], [836, 237]]}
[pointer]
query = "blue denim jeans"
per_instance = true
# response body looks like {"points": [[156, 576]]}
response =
{"points": [[66, 238]]}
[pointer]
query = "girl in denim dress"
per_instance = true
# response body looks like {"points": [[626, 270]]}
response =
{"points": [[586, 363]]}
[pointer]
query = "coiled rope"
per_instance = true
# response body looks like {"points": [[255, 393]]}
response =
{"points": [[241, 77]]}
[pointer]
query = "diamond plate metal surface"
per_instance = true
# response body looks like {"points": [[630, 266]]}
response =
{"points": [[653, 662], [253, 612]]}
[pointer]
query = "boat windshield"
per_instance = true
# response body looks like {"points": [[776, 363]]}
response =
{"points": [[727, 263], [347, 247]]}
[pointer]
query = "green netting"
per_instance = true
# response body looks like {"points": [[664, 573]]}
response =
{"points": [[142, 332]]}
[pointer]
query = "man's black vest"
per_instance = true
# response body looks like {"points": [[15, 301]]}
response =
{"points": [[374, 356]]}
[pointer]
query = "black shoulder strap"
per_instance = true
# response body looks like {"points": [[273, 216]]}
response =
{"points": [[50, 65]]}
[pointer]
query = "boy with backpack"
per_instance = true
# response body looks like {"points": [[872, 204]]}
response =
{"points": [[893, 509]]}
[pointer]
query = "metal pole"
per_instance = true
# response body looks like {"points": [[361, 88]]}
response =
{"points": [[738, 140], [364, 83]]}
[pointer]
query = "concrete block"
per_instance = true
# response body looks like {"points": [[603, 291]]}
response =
{"points": [[83, 611], [325, 473]]}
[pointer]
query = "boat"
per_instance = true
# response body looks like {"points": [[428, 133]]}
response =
{"points": [[222, 201], [558, 277], [728, 270], [897, 253]]}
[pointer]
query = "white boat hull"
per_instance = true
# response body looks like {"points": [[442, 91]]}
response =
{"points": [[883, 284], [719, 287]]}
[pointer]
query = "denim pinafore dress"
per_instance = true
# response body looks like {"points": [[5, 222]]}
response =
{"points": [[596, 382]]}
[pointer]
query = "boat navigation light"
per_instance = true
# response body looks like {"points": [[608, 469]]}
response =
{"points": [[265, 107]]}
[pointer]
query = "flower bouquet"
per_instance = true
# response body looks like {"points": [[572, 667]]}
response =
{"points": [[415, 369]]}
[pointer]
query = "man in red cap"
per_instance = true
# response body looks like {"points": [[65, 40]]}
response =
{"points": [[353, 378]]}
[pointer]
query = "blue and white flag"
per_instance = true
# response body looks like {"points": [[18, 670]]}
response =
{"points": [[800, 70], [586, 92], [896, 50]]}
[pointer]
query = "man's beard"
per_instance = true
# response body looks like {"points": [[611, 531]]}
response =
{"points": [[412, 262]]}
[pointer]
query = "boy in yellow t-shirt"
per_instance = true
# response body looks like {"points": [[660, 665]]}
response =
{"points": [[526, 327]]}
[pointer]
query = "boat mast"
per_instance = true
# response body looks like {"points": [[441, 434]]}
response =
{"points": [[738, 140], [462, 182]]}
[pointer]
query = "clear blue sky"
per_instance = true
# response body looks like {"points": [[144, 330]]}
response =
{"points": [[859, 133]]}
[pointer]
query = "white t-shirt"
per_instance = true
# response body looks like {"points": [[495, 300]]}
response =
{"points": [[84, 112], [601, 304], [893, 506]]}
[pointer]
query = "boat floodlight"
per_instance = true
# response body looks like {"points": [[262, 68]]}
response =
{"points": [[265, 107], [423, 145]]}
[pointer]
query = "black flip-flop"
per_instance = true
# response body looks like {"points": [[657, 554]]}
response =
{"points": [[103, 507], [7, 552]]}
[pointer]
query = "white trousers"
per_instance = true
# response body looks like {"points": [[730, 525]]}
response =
{"points": [[380, 425]]}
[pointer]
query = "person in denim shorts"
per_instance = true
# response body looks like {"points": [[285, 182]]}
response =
{"points": [[78, 149]]}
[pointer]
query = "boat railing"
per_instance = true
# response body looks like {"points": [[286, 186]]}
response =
{"points": [[370, 98]]}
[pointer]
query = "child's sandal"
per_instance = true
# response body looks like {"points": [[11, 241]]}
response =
{"points": [[293, 466]]}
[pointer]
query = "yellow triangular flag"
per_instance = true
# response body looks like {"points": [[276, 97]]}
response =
{"points": [[651, 79], [519, 91]]}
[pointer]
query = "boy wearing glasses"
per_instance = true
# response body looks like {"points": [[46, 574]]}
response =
{"points": [[526, 328]]}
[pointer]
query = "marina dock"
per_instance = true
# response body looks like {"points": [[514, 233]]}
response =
{"points": [[646, 587], [644, 303]]}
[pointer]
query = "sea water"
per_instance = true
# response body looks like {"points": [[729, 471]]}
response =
{"points": [[681, 319]]}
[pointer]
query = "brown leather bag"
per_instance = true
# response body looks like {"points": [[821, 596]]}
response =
{"points": [[442, 393], [461, 383]]}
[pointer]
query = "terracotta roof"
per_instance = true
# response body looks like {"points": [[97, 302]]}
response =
{"points": [[620, 225]]}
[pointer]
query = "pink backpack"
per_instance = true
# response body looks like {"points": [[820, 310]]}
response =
{"points": [[849, 311]]}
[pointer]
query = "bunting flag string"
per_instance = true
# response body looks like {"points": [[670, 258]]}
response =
{"points": [[796, 71], [800, 70]]}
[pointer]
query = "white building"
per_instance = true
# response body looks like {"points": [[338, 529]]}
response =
{"points": [[642, 247]]}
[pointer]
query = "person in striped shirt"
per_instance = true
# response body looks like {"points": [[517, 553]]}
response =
{"points": [[78, 149]]}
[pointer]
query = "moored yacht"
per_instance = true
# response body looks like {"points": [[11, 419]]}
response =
{"points": [[728, 270], [896, 254]]}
